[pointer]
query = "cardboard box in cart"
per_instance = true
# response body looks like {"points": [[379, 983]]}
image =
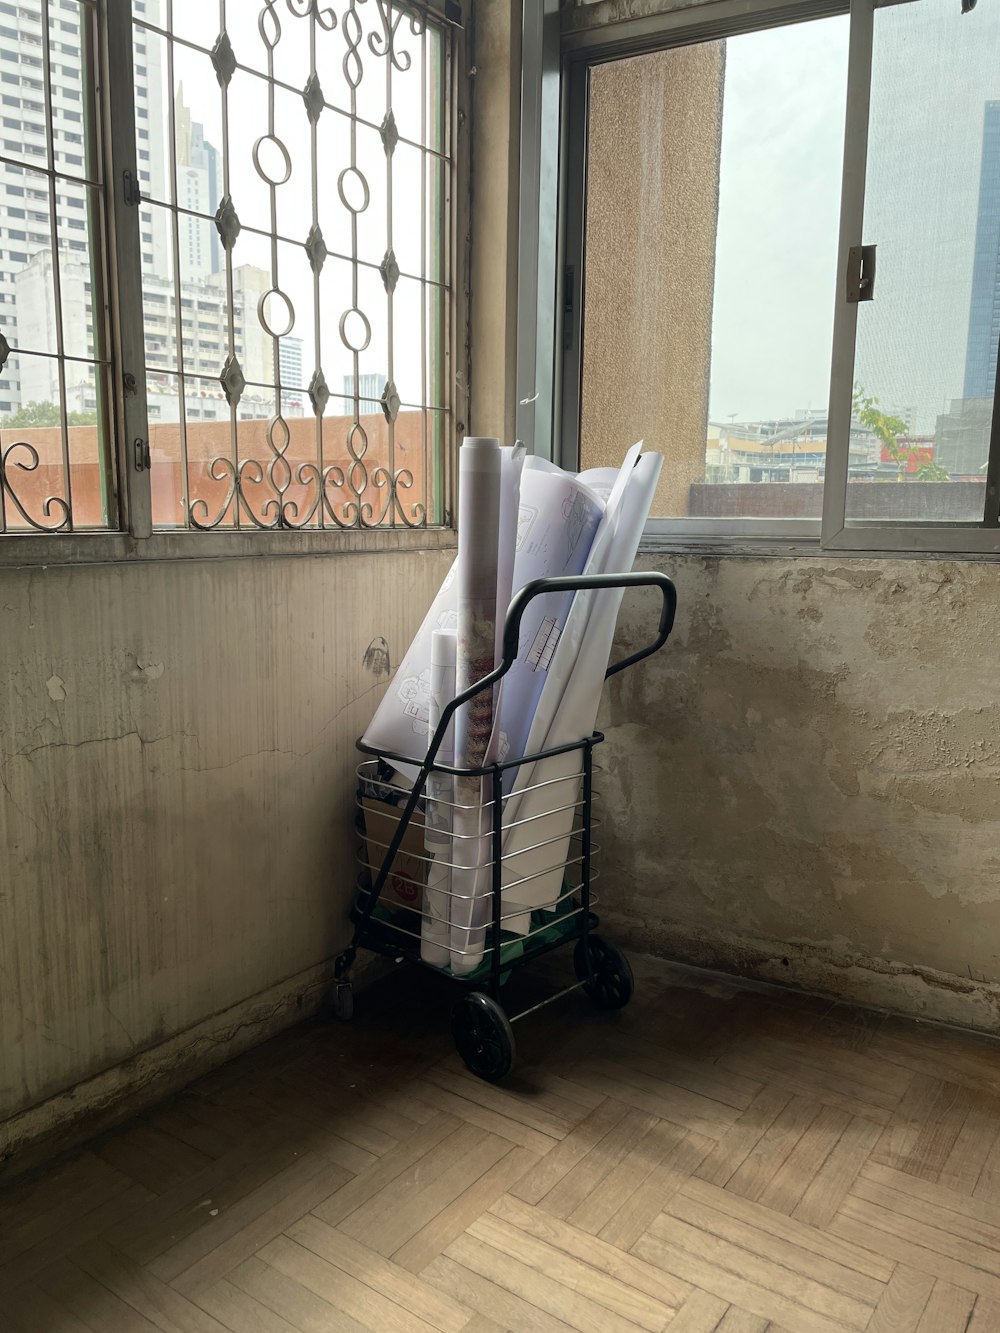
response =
{"points": [[404, 888]]}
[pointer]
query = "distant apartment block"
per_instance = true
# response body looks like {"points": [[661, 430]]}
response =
{"points": [[984, 310]]}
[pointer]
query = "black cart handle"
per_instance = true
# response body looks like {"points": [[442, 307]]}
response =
{"points": [[511, 643], [562, 583], [588, 583], [512, 637]]}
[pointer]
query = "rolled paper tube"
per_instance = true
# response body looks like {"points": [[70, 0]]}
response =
{"points": [[435, 925], [479, 498]]}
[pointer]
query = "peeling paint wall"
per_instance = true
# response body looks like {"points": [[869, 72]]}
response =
{"points": [[176, 802], [803, 784]]}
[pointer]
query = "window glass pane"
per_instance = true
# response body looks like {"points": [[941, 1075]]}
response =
{"points": [[289, 246], [72, 91], [55, 431], [713, 195], [926, 357]]}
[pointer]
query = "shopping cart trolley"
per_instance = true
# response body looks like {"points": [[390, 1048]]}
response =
{"points": [[390, 911]]}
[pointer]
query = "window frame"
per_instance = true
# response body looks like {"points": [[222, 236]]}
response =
{"points": [[134, 537], [978, 538], [560, 226]]}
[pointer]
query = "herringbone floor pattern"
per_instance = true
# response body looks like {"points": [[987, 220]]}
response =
{"points": [[715, 1158]]}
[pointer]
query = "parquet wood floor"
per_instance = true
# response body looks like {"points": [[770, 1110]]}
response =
{"points": [[715, 1159]]}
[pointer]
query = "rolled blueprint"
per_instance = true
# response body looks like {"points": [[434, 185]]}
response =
{"points": [[400, 722], [436, 922], [559, 517], [574, 686], [479, 498]]}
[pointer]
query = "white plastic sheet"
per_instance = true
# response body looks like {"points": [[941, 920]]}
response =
{"points": [[558, 518], [568, 707]]}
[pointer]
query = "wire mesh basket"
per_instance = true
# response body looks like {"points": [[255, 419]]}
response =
{"points": [[526, 883]]}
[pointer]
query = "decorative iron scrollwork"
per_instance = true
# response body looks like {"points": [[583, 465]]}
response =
{"points": [[63, 521], [384, 43]]}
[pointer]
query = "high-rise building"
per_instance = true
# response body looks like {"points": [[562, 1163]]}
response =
{"points": [[933, 68], [984, 306], [27, 226], [370, 385], [963, 437], [290, 362], [199, 178], [28, 257]]}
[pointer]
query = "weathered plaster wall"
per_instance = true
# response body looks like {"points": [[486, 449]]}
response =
{"points": [[803, 785], [176, 756]]}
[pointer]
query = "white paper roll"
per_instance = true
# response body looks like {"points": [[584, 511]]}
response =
{"points": [[436, 923], [479, 498]]}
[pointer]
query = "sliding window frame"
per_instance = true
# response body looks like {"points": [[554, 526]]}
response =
{"points": [[975, 538], [581, 50]]}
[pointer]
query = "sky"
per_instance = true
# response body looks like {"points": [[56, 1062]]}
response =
{"points": [[780, 185], [933, 70], [779, 199]]}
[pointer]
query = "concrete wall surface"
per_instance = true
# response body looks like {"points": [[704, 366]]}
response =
{"points": [[803, 784], [176, 812]]}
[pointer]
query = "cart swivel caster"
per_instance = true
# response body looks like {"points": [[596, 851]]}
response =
{"points": [[611, 985], [483, 1036], [342, 1001]]}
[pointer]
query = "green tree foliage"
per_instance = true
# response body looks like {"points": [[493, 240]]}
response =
{"points": [[46, 414], [887, 429]]}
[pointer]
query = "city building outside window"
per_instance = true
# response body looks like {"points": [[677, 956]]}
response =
{"points": [[263, 339], [719, 256]]}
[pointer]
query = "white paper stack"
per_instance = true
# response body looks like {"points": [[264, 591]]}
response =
{"points": [[537, 839], [519, 520]]}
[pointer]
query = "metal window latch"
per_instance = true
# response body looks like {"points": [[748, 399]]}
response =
{"points": [[860, 273], [142, 459], [133, 194]]}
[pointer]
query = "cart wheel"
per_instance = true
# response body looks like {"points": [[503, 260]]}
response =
{"points": [[613, 983], [343, 1001], [483, 1036]]}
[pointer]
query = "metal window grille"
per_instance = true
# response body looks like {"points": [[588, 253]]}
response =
{"points": [[226, 290], [295, 262], [56, 430]]}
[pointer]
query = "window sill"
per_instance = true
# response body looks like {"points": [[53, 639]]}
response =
{"points": [[774, 546], [31, 551]]}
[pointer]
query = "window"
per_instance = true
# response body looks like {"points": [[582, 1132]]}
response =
{"points": [[714, 211], [918, 362], [55, 366], [297, 180]]}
